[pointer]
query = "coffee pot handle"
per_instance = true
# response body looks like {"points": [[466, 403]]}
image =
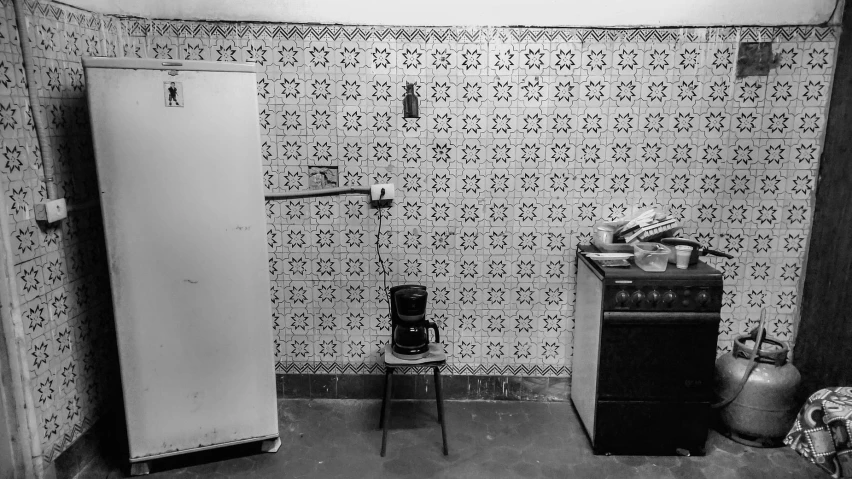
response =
{"points": [[432, 325]]}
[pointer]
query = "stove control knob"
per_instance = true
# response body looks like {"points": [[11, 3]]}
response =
{"points": [[637, 297], [702, 298], [668, 297], [621, 297], [654, 297]]}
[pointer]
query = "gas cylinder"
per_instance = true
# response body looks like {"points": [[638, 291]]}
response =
{"points": [[764, 411]]}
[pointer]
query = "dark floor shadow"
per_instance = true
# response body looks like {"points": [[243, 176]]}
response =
{"points": [[412, 414], [200, 458]]}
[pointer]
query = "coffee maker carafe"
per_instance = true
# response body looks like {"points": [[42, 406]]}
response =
{"points": [[409, 328]]}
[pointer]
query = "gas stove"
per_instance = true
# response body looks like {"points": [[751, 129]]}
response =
{"points": [[644, 353], [697, 288]]}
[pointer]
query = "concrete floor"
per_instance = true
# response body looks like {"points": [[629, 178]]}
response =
{"points": [[338, 438]]}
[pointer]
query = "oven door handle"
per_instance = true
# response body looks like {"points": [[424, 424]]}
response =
{"points": [[673, 318]]}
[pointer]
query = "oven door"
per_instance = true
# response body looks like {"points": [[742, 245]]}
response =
{"points": [[657, 356]]}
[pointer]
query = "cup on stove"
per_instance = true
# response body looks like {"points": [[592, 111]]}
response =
{"points": [[605, 234], [683, 253]]}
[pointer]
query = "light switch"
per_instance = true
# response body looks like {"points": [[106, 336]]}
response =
{"points": [[51, 211]]}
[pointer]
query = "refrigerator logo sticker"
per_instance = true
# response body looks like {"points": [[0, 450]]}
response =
{"points": [[173, 92]]}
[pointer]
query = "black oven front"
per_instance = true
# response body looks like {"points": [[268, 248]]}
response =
{"points": [[644, 354]]}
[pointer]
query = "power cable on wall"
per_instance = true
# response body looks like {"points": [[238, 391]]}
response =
{"points": [[31, 75], [379, 254]]}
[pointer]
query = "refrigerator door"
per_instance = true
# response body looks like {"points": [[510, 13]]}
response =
{"points": [[179, 169]]}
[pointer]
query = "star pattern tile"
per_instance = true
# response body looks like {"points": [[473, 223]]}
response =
{"points": [[524, 145], [528, 136]]}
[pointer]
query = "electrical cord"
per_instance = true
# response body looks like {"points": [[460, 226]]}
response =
{"points": [[833, 11], [379, 254]]}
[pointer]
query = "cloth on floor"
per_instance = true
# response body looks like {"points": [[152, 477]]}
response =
{"points": [[823, 429]]}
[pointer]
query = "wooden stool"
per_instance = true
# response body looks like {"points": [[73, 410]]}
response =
{"points": [[434, 359]]}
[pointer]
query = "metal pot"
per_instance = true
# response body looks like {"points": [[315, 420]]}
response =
{"points": [[697, 249]]}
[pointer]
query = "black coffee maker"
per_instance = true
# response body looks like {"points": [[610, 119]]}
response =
{"points": [[409, 328]]}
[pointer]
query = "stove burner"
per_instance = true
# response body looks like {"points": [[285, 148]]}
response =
{"points": [[663, 297]]}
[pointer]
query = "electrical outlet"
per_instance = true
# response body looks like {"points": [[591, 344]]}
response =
{"points": [[382, 194], [51, 211]]}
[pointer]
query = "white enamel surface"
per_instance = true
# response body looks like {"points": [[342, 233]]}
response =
{"points": [[587, 341], [183, 210], [602, 13], [154, 64]]}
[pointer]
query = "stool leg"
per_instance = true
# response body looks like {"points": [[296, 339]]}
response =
{"points": [[436, 373], [386, 408], [384, 399], [439, 396]]}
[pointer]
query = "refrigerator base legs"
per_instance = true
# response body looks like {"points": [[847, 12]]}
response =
{"points": [[271, 445], [140, 468]]}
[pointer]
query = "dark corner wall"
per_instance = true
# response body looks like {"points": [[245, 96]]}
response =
{"points": [[823, 350]]}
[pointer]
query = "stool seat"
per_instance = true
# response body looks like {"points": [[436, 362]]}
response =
{"points": [[435, 358], [435, 354]]}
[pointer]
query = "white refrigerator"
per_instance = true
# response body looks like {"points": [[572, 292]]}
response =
{"points": [[180, 176]]}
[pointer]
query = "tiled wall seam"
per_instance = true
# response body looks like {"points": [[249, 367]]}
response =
{"points": [[224, 30]]}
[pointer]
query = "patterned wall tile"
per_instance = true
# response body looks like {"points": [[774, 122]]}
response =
{"points": [[60, 272], [527, 138]]}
